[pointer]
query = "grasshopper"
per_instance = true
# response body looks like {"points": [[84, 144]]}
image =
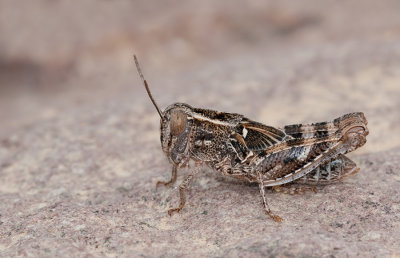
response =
{"points": [[291, 159]]}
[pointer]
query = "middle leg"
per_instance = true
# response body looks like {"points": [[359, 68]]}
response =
{"points": [[173, 177]]}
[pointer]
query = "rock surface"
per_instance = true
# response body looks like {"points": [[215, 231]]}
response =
{"points": [[79, 140]]}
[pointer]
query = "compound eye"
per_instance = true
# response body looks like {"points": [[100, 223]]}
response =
{"points": [[178, 122]]}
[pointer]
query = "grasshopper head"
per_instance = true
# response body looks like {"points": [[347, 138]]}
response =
{"points": [[175, 128]]}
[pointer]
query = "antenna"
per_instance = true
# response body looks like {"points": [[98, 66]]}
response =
{"points": [[146, 86]]}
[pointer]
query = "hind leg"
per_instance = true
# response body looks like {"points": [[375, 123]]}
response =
{"points": [[265, 203]]}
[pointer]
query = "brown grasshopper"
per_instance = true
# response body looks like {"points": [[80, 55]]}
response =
{"points": [[290, 159]]}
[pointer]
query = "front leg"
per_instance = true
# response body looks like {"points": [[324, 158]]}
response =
{"points": [[173, 177], [182, 187]]}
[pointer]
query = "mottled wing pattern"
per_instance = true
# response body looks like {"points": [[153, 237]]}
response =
{"points": [[256, 136]]}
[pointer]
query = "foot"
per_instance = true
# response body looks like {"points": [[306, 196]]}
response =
{"points": [[276, 218], [170, 183], [171, 211]]}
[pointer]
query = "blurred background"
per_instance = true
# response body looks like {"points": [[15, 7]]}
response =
{"points": [[277, 61]]}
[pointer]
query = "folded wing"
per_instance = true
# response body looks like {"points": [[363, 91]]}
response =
{"points": [[256, 136]]}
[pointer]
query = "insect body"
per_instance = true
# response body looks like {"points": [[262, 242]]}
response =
{"points": [[310, 154]]}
